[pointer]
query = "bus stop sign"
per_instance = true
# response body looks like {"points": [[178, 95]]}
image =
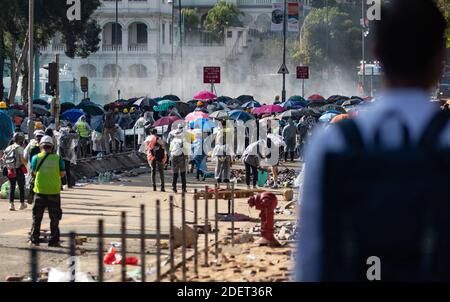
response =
{"points": [[211, 75]]}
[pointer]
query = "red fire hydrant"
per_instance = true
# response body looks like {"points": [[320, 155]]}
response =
{"points": [[265, 202]]}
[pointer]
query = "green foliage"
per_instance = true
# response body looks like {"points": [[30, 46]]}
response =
{"points": [[445, 7], [191, 18], [81, 37], [221, 16], [344, 42]]}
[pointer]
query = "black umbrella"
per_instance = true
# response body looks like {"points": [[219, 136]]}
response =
{"points": [[40, 110], [223, 99], [171, 97], [310, 112], [351, 102], [317, 104], [67, 106], [145, 102], [245, 98], [293, 114], [183, 108], [41, 103], [330, 107]]}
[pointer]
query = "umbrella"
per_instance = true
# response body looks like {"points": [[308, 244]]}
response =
{"points": [[164, 105], [310, 111], [317, 104], [145, 102], [316, 98], [205, 95], [40, 110], [293, 114], [297, 98], [326, 118], [97, 123], [352, 102], [251, 104], [203, 123], [335, 98], [73, 115], [220, 115], [7, 132], [234, 104], [195, 115], [245, 98], [223, 99], [165, 121], [290, 104], [171, 97], [217, 106], [67, 106], [241, 115], [93, 110], [183, 108], [268, 109], [18, 107], [339, 118], [41, 102], [332, 107]]}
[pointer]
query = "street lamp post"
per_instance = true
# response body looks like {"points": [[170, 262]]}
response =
{"points": [[30, 67], [363, 47]]}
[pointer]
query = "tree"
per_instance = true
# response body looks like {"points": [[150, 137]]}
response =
{"points": [[221, 16], [445, 7], [80, 37], [191, 19], [344, 41]]}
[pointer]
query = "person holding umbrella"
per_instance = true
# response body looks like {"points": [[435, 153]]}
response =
{"points": [[222, 152]]}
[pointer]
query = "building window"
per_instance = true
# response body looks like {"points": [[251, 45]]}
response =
{"points": [[142, 36], [229, 34], [171, 34]]}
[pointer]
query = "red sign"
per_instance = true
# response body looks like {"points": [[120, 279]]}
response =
{"points": [[303, 72], [211, 75]]}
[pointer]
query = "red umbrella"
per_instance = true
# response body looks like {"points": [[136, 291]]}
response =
{"points": [[166, 121], [268, 109], [316, 98], [205, 95], [196, 115]]}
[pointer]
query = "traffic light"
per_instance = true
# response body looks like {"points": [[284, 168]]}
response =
{"points": [[84, 83], [53, 78]]}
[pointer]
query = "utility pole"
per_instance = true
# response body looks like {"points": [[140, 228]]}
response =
{"points": [[363, 63], [283, 92], [116, 27], [57, 101], [180, 15], [30, 67]]}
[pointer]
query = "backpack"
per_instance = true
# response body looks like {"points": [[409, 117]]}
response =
{"points": [[34, 151], [392, 204], [11, 159], [158, 152]]}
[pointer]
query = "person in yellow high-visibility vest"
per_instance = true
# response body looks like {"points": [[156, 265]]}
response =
{"points": [[84, 130], [47, 168]]}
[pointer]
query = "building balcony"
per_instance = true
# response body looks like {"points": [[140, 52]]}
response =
{"points": [[135, 6], [111, 48], [138, 47]]}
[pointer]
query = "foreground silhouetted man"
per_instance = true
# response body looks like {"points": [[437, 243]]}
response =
{"points": [[371, 204]]}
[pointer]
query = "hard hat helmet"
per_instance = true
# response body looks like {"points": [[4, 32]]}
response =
{"points": [[3, 105], [199, 104], [125, 110], [39, 133], [47, 140], [18, 137], [38, 125], [116, 109]]}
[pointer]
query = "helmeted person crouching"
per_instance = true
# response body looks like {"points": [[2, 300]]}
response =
{"points": [[47, 168]]}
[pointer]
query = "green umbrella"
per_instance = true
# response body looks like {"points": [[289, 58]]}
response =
{"points": [[164, 105]]}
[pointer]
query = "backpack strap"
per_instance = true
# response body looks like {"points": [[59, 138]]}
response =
{"points": [[42, 162], [432, 132], [352, 135], [392, 115]]}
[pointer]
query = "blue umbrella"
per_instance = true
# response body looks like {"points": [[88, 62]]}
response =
{"points": [[203, 123], [241, 115], [251, 104], [326, 118], [73, 115], [7, 132], [291, 104], [97, 123]]}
